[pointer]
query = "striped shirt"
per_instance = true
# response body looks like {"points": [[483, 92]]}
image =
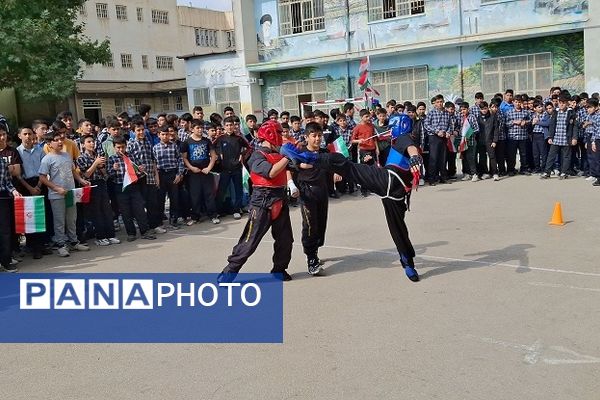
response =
{"points": [[517, 132], [538, 129], [85, 161], [592, 132], [6, 184], [168, 157], [142, 150], [560, 134]]}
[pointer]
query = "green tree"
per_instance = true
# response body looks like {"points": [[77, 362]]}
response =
{"points": [[43, 48]]}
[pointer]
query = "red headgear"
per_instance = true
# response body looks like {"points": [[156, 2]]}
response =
{"points": [[271, 131]]}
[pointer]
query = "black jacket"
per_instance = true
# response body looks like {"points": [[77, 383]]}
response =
{"points": [[571, 126], [489, 128]]}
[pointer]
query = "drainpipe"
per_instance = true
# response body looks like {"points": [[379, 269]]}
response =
{"points": [[348, 48], [460, 50]]}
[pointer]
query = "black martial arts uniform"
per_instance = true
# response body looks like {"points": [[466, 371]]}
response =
{"points": [[268, 208]]}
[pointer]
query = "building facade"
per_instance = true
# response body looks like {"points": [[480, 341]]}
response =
{"points": [[146, 38], [309, 50]]}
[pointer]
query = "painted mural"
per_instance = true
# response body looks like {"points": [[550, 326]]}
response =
{"points": [[349, 28], [443, 68]]}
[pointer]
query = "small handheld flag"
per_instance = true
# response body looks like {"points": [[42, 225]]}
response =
{"points": [[30, 214], [78, 195], [339, 146], [130, 176]]}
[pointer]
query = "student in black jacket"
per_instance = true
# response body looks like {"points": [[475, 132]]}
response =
{"points": [[489, 130]]}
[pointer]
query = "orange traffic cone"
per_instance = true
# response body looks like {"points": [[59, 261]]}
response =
{"points": [[557, 218]]}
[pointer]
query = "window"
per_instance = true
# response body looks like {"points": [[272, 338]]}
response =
{"points": [[385, 9], [228, 96], [121, 13], [230, 39], [136, 104], [531, 73], [317, 88], [83, 10], [202, 97], [140, 13], [110, 62], [410, 84], [102, 10], [126, 61], [165, 103], [179, 103], [206, 37], [119, 106], [144, 61], [163, 62], [297, 16], [160, 17]]}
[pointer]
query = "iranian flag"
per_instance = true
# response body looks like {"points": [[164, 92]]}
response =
{"points": [[30, 214], [452, 145], [130, 175], [363, 72], [364, 65], [78, 195], [339, 146], [466, 133]]}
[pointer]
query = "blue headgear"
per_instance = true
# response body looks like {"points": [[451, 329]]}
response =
{"points": [[400, 124]]}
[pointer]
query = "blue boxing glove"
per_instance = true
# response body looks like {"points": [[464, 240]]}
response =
{"points": [[296, 155]]}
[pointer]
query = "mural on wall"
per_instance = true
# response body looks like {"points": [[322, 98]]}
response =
{"points": [[350, 27], [443, 66]]}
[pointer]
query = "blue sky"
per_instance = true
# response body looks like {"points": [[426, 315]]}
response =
{"points": [[222, 5]]}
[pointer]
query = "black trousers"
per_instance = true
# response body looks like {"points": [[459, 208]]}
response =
{"points": [[376, 180], [500, 152], [112, 195], [168, 187], [511, 155], [540, 151], [565, 158], [451, 163], [225, 179], [6, 227], [437, 158], [98, 210], [315, 205], [594, 158], [36, 241], [131, 205], [482, 159], [259, 223], [153, 209], [202, 195]]}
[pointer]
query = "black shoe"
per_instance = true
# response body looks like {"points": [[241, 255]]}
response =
{"points": [[47, 251], [512, 173], [411, 273], [432, 183], [148, 236], [334, 196], [597, 183], [9, 268], [314, 267], [283, 275], [226, 277], [445, 182], [131, 238], [37, 255]]}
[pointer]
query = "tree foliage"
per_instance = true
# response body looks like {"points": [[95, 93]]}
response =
{"points": [[43, 47]]}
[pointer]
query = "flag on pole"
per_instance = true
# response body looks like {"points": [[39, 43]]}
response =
{"points": [[78, 195], [30, 214], [364, 65], [130, 175], [339, 146], [466, 133]]}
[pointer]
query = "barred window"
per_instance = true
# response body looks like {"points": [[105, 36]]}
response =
{"points": [[385, 9], [206, 37], [160, 17], [140, 14], [530, 73], [404, 84], [136, 104], [179, 103], [317, 88], [297, 16], [83, 10], [102, 10], [121, 12], [144, 61], [228, 96], [126, 61], [164, 62], [230, 39], [202, 97], [110, 62], [165, 103], [119, 106]]}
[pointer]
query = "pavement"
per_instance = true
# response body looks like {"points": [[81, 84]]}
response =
{"points": [[508, 308]]}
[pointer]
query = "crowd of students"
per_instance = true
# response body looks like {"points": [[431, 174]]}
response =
{"points": [[198, 163]]}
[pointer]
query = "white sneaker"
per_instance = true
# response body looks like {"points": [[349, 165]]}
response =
{"points": [[216, 221], [421, 182], [237, 215], [556, 172], [591, 179], [160, 229], [113, 240], [475, 178], [496, 177], [79, 247], [63, 251], [102, 242], [486, 176], [466, 177]]}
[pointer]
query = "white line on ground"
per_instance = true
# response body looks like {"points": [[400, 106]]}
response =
{"points": [[358, 249], [558, 285]]}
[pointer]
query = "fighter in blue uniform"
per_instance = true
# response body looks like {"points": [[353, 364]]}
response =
{"points": [[393, 183]]}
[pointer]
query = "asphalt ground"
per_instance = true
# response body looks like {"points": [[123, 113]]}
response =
{"points": [[508, 308]]}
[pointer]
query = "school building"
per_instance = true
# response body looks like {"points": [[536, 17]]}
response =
{"points": [[292, 51]]}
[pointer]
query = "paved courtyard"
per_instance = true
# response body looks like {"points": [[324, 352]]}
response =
{"points": [[508, 308]]}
